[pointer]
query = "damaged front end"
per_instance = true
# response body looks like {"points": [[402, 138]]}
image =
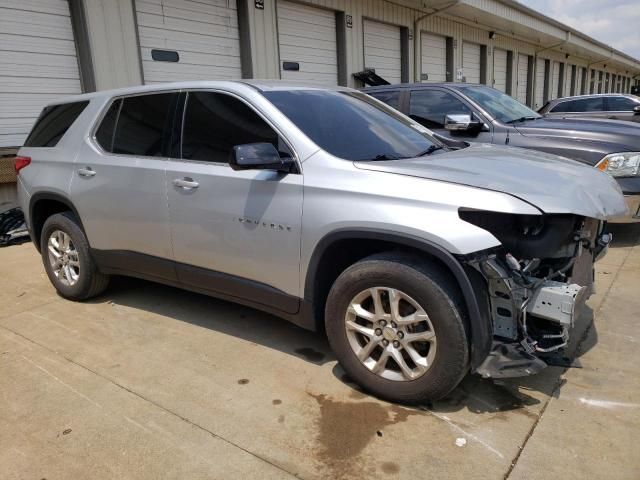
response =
{"points": [[537, 282]]}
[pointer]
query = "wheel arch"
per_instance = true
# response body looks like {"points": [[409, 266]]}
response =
{"points": [[323, 269], [44, 204]]}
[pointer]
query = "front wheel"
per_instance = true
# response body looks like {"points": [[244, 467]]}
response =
{"points": [[397, 327]]}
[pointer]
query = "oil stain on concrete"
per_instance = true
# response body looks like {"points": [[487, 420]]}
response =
{"points": [[345, 429]]}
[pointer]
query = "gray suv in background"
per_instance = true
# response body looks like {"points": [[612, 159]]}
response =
{"points": [[329, 209], [604, 105], [474, 113]]}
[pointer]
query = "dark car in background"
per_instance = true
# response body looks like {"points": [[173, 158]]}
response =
{"points": [[603, 105], [462, 112]]}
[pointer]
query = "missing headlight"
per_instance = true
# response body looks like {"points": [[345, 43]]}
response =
{"points": [[526, 236]]}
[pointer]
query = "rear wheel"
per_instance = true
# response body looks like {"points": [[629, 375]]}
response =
{"points": [[67, 261], [397, 328]]}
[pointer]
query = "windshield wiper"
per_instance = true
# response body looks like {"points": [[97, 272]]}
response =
{"points": [[521, 119], [383, 156], [430, 150]]}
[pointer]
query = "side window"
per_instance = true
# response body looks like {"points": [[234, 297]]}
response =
{"points": [[562, 107], [390, 98], [141, 124], [595, 104], [107, 128], [620, 104], [53, 123], [430, 106], [214, 123]]}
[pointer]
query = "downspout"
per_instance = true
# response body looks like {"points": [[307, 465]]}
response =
{"points": [[535, 64], [416, 38]]}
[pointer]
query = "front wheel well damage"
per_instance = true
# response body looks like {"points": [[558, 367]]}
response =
{"points": [[330, 260]]}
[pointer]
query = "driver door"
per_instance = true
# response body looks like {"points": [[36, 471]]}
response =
{"points": [[429, 106], [235, 233]]}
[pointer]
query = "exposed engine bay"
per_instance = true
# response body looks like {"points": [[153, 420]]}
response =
{"points": [[538, 282]]}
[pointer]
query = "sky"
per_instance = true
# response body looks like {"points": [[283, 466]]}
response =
{"points": [[614, 22]]}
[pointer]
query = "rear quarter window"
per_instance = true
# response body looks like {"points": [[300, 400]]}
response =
{"points": [[53, 123]]}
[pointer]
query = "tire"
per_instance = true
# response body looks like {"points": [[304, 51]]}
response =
{"points": [[415, 282], [86, 280]]}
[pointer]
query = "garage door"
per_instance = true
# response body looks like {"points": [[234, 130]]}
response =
{"points": [[382, 50], [500, 69], [523, 77], [203, 33], [471, 62], [307, 40], [555, 79], [579, 75], [540, 77], [567, 79], [434, 58], [38, 63]]}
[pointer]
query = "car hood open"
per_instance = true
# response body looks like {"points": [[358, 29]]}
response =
{"points": [[551, 183]]}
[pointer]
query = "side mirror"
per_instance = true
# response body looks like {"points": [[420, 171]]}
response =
{"points": [[259, 156], [460, 123], [636, 109]]}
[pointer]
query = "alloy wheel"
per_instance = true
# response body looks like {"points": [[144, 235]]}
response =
{"points": [[390, 333], [63, 258]]}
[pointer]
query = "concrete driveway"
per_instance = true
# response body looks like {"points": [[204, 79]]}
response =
{"points": [[148, 381]]}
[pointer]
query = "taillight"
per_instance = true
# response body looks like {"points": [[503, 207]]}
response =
{"points": [[20, 162]]}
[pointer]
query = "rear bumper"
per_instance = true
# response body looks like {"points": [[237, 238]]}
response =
{"points": [[633, 204]]}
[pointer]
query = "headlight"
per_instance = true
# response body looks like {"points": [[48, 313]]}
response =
{"points": [[625, 164]]}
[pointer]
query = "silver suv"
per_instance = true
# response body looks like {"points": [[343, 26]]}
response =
{"points": [[327, 208]]}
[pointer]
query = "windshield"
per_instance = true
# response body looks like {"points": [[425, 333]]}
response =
{"points": [[352, 125], [500, 106]]}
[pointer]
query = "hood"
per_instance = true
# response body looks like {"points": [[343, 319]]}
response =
{"points": [[620, 135], [551, 183]]}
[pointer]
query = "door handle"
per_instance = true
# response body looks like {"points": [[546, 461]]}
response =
{"points": [[187, 183], [86, 172]]}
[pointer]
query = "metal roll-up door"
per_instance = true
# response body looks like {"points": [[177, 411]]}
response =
{"points": [[307, 43], [188, 40], [500, 69], [555, 79], [382, 50], [434, 58], [579, 74], [567, 80], [540, 77], [39, 63], [471, 62], [523, 77]]}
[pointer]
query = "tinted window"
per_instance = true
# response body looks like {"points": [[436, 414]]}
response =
{"points": [[141, 125], [595, 104], [429, 107], [53, 123], [214, 123], [620, 104], [107, 128], [390, 98], [351, 125], [499, 105]]}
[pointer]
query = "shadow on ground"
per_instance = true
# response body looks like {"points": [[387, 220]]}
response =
{"points": [[625, 235], [474, 393]]}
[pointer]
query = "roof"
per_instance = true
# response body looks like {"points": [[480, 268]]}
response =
{"points": [[419, 85]]}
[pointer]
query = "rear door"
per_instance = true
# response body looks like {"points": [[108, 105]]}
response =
{"points": [[235, 233], [118, 186]]}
